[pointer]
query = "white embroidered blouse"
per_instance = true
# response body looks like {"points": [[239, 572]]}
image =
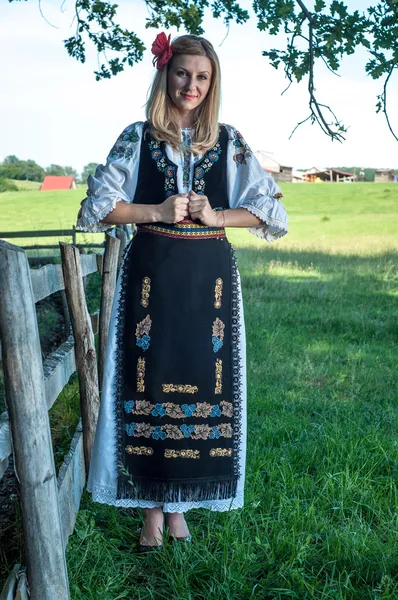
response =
{"points": [[249, 186]]}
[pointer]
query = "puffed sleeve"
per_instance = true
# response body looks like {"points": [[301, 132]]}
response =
{"points": [[250, 187], [113, 182]]}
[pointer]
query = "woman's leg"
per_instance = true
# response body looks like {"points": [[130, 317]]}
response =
{"points": [[152, 531], [177, 525]]}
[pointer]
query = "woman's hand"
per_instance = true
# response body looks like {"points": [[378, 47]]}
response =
{"points": [[199, 208], [174, 208]]}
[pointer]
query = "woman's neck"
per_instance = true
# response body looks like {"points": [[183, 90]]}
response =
{"points": [[186, 119]]}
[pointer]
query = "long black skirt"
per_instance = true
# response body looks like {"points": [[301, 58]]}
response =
{"points": [[178, 406]]}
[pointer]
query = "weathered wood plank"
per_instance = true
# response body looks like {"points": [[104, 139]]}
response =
{"points": [[71, 481], [5, 442], [109, 275], [95, 321], [43, 233], [8, 591], [58, 368], [86, 359], [34, 461], [49, 279]]}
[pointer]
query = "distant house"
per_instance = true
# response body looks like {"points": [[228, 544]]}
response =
{"points": [[315, 175], [58, 182], [278, 171], [383, 175]]}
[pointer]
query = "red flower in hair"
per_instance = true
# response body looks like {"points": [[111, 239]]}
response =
{"points": [[162, 51]]}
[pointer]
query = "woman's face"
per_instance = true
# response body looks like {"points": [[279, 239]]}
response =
{"points": [[188, 80]]}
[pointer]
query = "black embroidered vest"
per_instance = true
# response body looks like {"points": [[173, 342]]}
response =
{"points": [[157, 174]]}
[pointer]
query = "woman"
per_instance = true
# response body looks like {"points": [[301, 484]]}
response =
{"points": [[171, 432]]}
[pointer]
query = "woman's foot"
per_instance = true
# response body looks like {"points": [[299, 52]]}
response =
{"points": [[177, 525], [152, 530]]}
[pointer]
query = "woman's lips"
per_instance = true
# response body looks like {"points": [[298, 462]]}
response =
{"points": [[188, 97]]}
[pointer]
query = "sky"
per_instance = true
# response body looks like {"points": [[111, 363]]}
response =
{"points": [[53, 111]]}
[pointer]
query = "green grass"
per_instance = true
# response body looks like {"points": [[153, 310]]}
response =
{"points": [[320, 520]]}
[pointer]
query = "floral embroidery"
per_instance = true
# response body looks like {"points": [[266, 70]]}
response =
{"points": [[220, 452], [158, 434], [174, 410], [177, 411], [227, 409], [186, 150], [143, 429], [204, 166], [129, 405], [217, 334], [187, 430], [145, 291], [168, 453], [218, 293], [202, 432], [175, 432], [225, 429], [123, 147], [218, 388], [169, 171], [158, 411], [203, 409], [140, 450], [141, 374], [242, 150], [143, 339], [130, 428], [142, 407], [180, 388]]}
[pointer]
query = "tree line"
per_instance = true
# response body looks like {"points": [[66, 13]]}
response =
{"points": [[28, 170]]}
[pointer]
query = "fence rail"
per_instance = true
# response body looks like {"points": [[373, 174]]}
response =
{"points": [[59, 233], [49, 504]]}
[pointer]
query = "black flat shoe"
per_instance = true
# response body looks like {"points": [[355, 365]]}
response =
{"points": [[187, 538], [140, 548], [146, 547]]}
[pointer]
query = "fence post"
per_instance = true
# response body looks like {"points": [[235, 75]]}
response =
{"points": [[73, 235], [86, 359], [27, 407], [109, 274]]}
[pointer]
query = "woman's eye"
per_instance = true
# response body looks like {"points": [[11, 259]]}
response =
{"points": [[180, 73], [203, 77]]}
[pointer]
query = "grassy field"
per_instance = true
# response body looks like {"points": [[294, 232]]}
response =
{"points": [[320, 520]]}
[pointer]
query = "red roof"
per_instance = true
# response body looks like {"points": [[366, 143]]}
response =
{"points": [[57, 182]]}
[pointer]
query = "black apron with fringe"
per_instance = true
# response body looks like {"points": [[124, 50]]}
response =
{"points": [[178, 395]]}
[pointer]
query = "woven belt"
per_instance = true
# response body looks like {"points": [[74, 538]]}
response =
{"points": [[184, 229]]}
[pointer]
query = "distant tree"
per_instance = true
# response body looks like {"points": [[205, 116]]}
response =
{"points": [[324, 33], [71, 171], [14, 168], [55, 170], [61, 171], [33, 171], [11, 160], [89, 169]]}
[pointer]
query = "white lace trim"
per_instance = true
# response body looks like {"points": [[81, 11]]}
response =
{"points": [[93, 223], [272, 228], [105, 495]]}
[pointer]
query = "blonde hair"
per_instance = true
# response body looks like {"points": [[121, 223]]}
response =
{"points": [[161, 111]]}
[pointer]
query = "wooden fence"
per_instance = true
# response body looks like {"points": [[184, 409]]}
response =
{"points": [[72, 233], [49, 504]]}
